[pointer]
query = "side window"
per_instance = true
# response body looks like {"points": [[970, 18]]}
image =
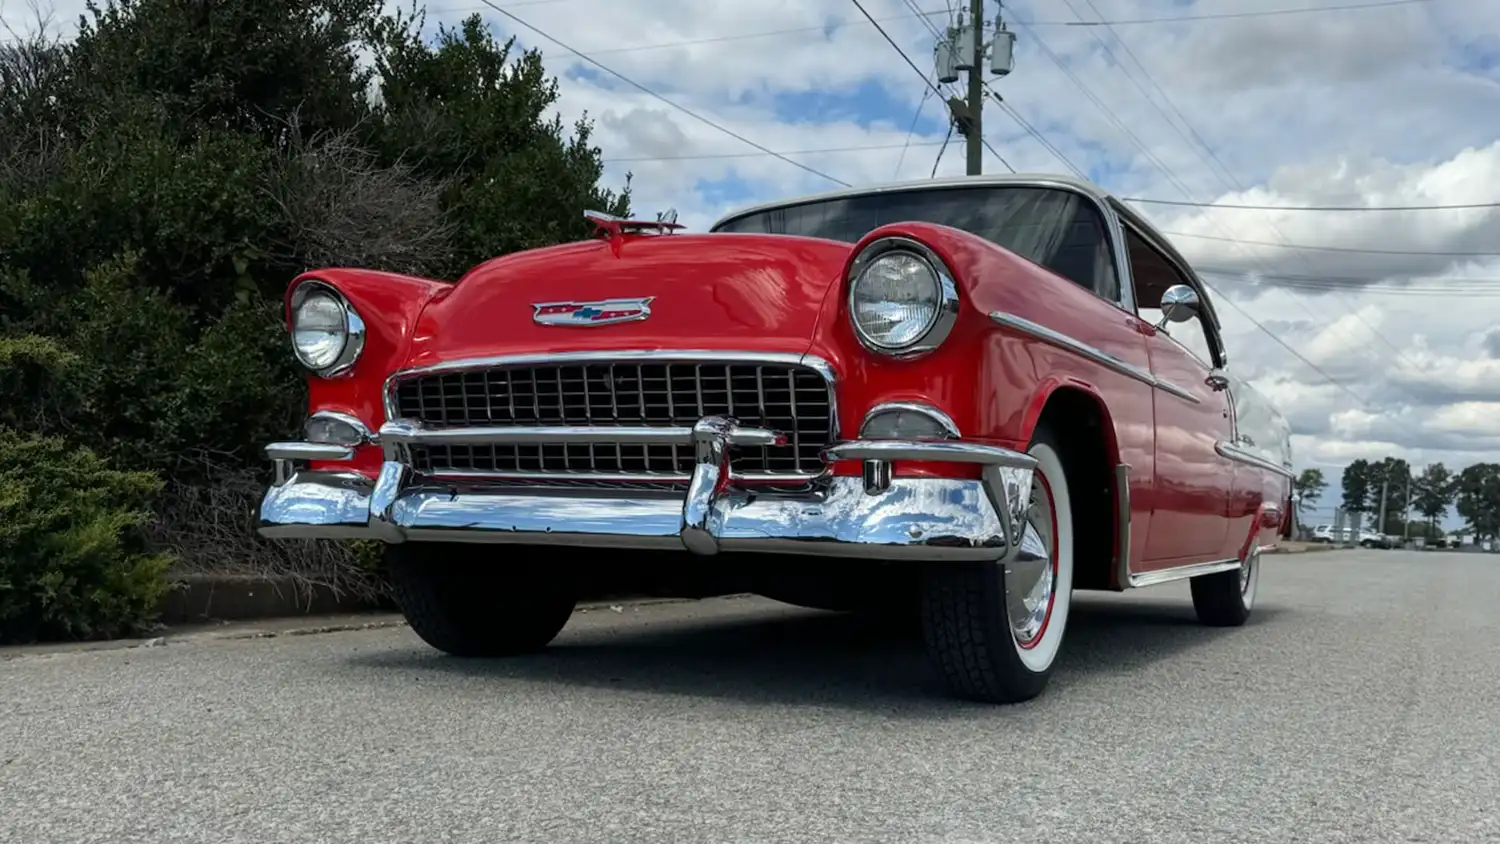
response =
{"points": [[1153, 274]]}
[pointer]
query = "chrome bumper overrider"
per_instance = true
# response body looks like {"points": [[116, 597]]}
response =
{"points": [[875, 516]]}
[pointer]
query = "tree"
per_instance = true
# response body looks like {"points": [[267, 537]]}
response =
{"points": [[1309, 487], [1433, 493], [167, 172], [1477, 499], [1356, 486], [1391, 476]]}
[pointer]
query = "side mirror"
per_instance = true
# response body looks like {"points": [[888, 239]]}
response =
{"points": [[1179, 304]]}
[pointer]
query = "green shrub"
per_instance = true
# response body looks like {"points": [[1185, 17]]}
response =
{"points": [[73, 559], [163, 175]]}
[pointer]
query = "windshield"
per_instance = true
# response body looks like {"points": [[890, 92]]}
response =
{"points": [[1057, 229]]}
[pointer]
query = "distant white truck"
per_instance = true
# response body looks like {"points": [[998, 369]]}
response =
{"points": [[1367, 538]]}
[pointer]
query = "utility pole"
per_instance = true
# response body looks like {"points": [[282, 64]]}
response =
{"points": [[975, 137], [965, 48], [1406, 516], [1385, 484]]}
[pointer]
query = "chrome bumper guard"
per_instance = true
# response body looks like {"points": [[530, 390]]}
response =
{"points": [[874, 517]]}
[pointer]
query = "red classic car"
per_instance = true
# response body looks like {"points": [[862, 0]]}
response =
{"points": [[959, 399]]}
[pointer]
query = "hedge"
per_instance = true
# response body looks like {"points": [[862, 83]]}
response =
{"points": [[163, 175]]}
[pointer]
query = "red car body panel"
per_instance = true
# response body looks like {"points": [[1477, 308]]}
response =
{"points": [[775, 293]]}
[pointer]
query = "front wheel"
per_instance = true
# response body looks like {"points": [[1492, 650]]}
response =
{"points": [[473, 601], [995, 630], [1226, 598]]}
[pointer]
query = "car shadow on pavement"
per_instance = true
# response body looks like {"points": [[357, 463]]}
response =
{"points": [[788, 655]]}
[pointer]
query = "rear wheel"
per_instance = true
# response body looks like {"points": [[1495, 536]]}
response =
{"points": [[995, 630], [476, 603], [1226, 598]]}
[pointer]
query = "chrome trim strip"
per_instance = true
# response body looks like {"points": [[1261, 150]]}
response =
{"points": [[1233, 452], [942, 322], [938, 416], [640, 478], [284, 456], [406, 432], [939, 451], [1180, 392], [1160, 576], [308, 451], [1099, 356], [1122, 517]]}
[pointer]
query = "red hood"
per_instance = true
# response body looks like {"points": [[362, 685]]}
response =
{"points": [[712, 291]]}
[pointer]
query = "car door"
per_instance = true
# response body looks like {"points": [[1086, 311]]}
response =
{"points": [[1193, 483]]}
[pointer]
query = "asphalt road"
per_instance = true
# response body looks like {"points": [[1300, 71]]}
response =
{"points": [[1362, 703]]}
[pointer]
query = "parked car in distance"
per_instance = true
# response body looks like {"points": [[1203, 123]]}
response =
{"points": [[961, 398], [1367, 538]]}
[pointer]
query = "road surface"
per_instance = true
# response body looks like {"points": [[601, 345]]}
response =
{"points": [[1360, 704]]}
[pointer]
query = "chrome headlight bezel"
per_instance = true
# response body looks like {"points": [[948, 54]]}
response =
{"points": [[946, 295], [353, 326]]}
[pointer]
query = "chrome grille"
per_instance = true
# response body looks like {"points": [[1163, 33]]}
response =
{"points": [[790, 398]]}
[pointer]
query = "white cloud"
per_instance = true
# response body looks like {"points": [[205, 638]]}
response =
{"points": [[1357, 107]]}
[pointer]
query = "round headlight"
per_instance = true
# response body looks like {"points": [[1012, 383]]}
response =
{"points": [[898, 297], [327, 335]]}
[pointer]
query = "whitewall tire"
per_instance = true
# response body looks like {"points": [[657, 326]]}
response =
{"points": [[995, 630], [1226, 599]]}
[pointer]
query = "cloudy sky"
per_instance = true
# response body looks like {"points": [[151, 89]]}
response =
{"points": [[1227, 102]]}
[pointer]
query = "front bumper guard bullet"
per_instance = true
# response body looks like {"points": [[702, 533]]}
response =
{"points": [[875, 516]]}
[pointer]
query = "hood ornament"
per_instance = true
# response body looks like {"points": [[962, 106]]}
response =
{"points": [[587, 314]]}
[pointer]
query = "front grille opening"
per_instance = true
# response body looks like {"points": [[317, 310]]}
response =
{"points": [[789, 398]]}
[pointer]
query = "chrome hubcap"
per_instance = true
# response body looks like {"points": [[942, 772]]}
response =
{"points": [[1030, 580]]}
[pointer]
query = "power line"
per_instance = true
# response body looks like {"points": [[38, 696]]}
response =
{"points": [[1224, 174], [1187, 204], [911, 130], [918, 71], [1167, 171], [745, 36], [1456, 286], [1031, 130], [713, 155], [684, 109], [1347, 249], [1264, 13]]}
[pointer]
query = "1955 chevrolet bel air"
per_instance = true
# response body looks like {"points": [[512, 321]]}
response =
{"points": [[959, 399]]}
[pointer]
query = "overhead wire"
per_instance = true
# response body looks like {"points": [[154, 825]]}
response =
{"points": [[1196, 143], [911, 130], [1262, 13], [942, 149], [684, 109], [819, 151], [1461, 206], [1358, 250], [1171, 177], [923, 76]]}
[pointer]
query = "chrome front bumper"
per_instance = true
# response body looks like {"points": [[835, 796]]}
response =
{"points": [[874, 516]]}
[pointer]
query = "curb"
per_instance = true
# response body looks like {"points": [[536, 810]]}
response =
{"points": [[206, 598], [201, 598], [290, 626], [1310, 549]]}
